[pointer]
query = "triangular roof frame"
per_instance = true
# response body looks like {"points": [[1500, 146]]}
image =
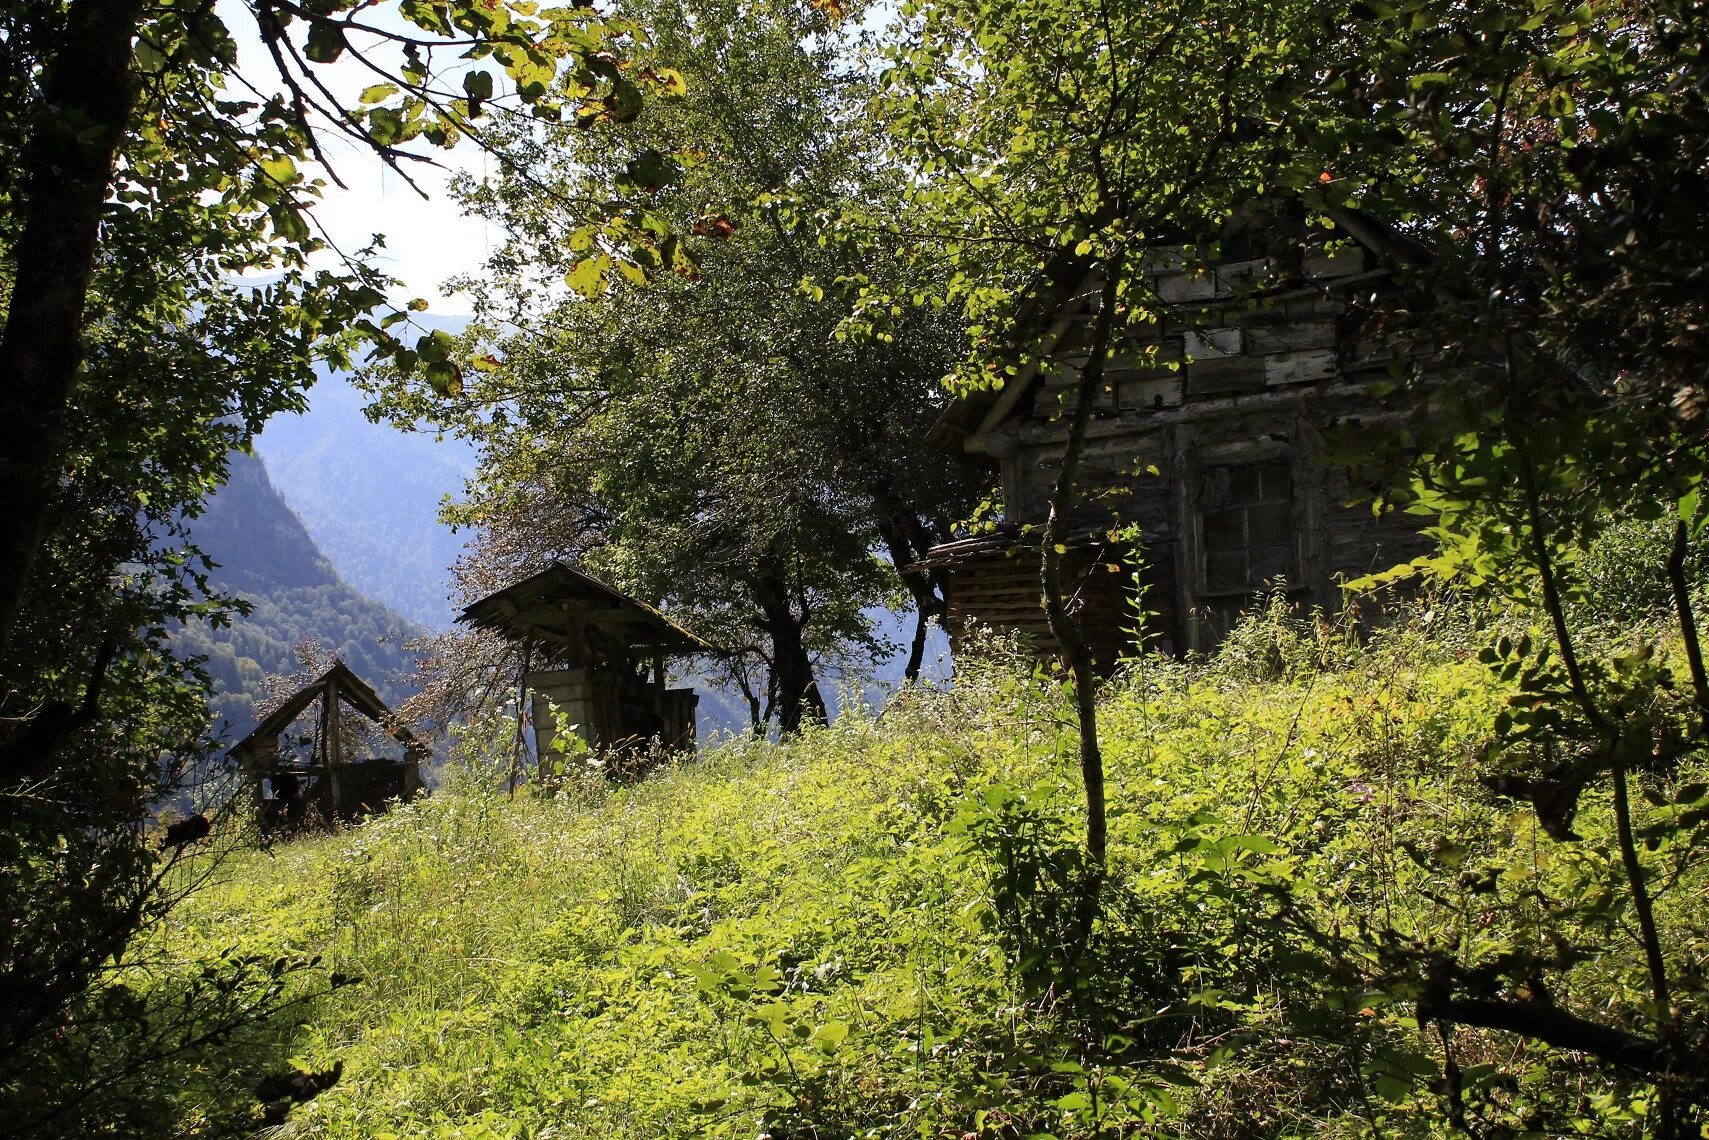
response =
{"points": [[519, 612], [351, 688]]}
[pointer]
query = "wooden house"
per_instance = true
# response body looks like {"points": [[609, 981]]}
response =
{"points": [[324, 783], [1211, 449], [599, 656]]}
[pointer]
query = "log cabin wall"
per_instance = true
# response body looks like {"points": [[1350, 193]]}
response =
{"points": [[996, 589], [1213, 448]]}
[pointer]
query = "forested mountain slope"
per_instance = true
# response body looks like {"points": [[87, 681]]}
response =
{"points": [[266, 557], [369, 495]]}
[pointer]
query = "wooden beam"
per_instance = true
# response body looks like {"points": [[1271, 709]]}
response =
{"points": [[1016, 389]]}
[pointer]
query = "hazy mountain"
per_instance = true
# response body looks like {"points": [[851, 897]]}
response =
{"points": [[266, 557], [369, 495]]}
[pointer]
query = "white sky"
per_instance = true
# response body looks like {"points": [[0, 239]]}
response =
{"points": [[427, 241]]}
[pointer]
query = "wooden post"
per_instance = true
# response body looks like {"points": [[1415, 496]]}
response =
{"points": [[521, 723], [259, 764], [334, 752], [659, 694], [1188, 572]]}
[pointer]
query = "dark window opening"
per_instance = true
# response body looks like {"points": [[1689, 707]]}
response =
{"points": [[1247, 526]]}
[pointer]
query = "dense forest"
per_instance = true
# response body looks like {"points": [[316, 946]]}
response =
{"points": [[1292, 413], [265, 558]]}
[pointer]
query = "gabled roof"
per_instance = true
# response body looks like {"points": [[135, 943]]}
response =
{"points": [[1008, 540], [351, 688], [544, 607], [1060, 282], [1057, 298]]}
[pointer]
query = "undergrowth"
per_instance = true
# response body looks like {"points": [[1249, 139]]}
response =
{"points": [[859, 932]]}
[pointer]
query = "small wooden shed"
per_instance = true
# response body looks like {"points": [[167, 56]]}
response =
{"points": [[599, 655], [1208, 441], [292, 788]]}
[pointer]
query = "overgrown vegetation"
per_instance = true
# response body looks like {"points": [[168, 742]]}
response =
{"points": [[142, 180], [1449, 881], [860, 931], [708, 441]]}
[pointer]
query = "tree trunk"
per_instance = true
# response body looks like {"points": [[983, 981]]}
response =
{"points": [[1075, 652], [929, 601], [797, 694], [88, 95], [756, 717]]}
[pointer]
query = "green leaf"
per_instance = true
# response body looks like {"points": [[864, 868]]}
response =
{"points": [[326, 41], [670, 81], [385, 126], [478, 86], [445, 378], [830, 1036], [150, 60], [279, 169], [587, 276], [1690, 507], [436, 346], [624, 103], [288, 223], [651, 171], [378, 93]]}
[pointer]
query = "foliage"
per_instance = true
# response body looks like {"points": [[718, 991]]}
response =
{"points": [[290, 594], [142, 179], [860, 931], [708, 440], [1519, 146], [1504, 162], [1064, 148]]}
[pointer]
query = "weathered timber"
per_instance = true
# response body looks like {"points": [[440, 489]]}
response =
{"points": [[1207, 440], [599, 677], [326, 786]]}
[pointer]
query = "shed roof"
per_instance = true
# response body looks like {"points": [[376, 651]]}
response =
{"points": [[1008, 540], [545, 606], [351, 688]]}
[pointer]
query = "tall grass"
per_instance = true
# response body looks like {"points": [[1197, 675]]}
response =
{"points": [[853, 933]]}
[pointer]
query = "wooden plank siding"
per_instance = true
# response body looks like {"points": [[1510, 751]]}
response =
{"points": [[1209, 438], [995, 590]]}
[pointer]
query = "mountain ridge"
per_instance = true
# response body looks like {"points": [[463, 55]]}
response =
{"points": [[333, 466], [265, 556]]}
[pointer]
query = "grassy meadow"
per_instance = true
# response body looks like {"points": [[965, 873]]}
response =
{"points": [[862, 932]]}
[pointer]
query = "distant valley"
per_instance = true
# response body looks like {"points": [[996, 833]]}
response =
{"points": [[369, 494]]}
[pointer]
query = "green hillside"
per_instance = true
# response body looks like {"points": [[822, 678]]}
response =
{"points": [[860, 932], [266, 557]]}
